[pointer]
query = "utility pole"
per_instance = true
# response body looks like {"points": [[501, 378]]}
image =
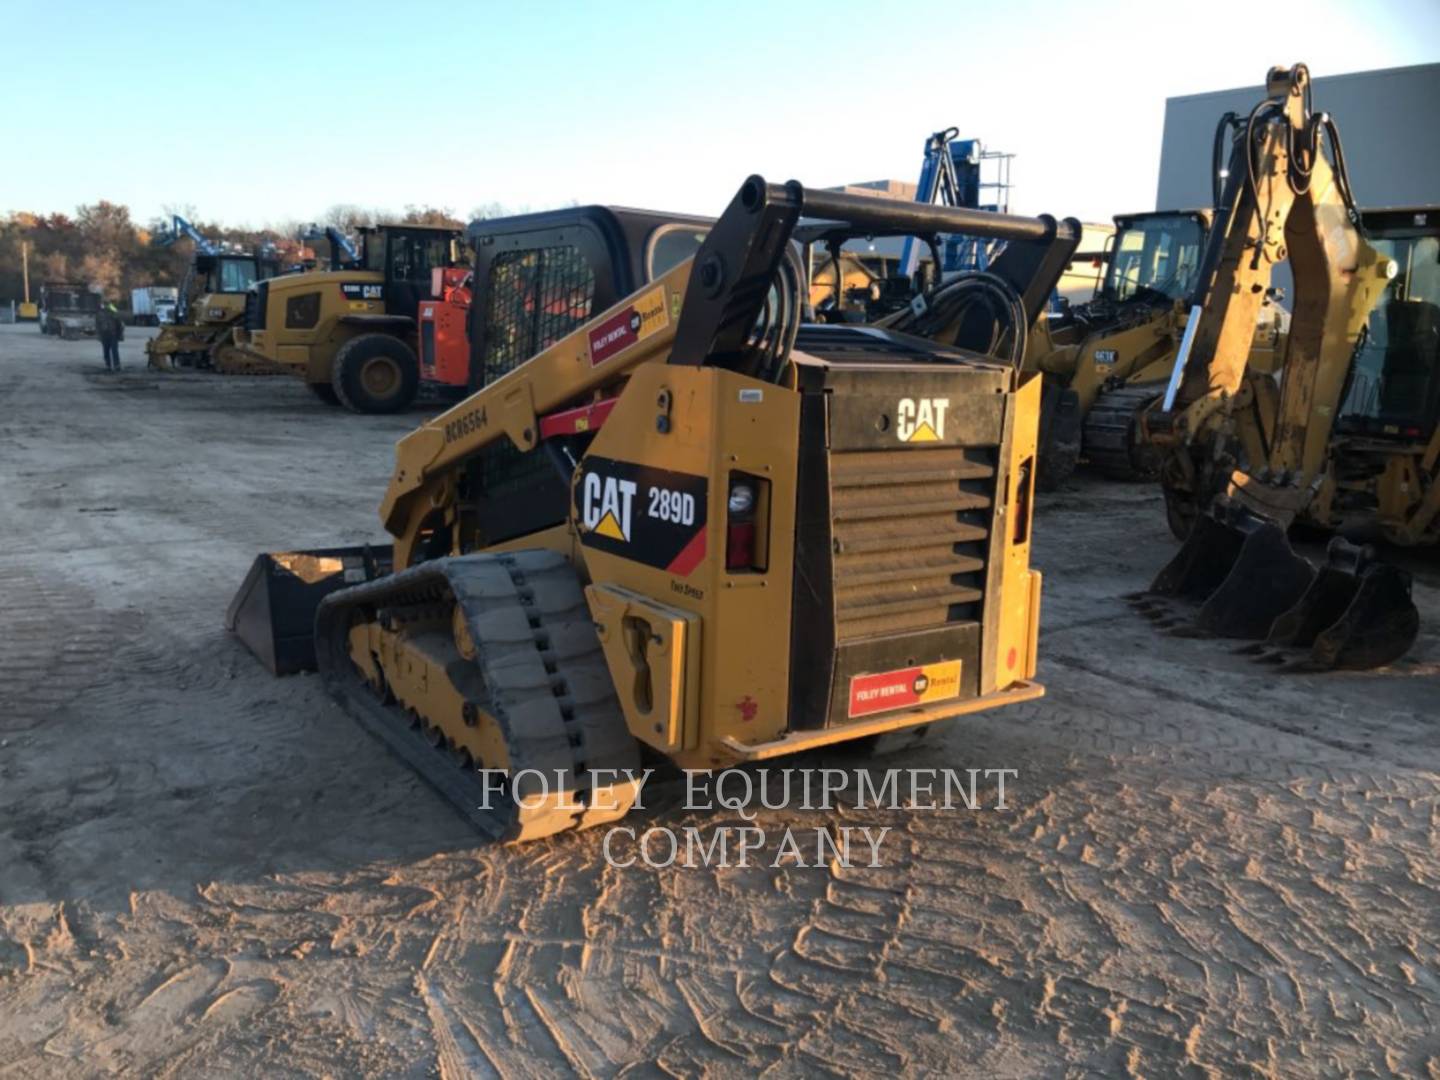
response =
{"points": [[25, 267]]}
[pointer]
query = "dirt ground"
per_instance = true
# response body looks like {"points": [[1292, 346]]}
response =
{"points": [[1206, 868]]}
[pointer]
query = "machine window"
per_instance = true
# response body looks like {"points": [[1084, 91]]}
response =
{"points": [[302, 312], [537, 296], [414, 255], [1394, 384], [236, 275], [1159, 255], [670, 245]]}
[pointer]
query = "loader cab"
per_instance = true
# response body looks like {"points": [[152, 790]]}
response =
{"points": [[1393, 391], [537, 278], [405, 255], [1155, 256]]}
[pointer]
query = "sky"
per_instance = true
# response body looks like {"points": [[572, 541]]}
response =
{"points": [[265, 112]]}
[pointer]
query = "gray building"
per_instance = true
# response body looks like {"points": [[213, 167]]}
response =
{"points": [[1392, 146]]}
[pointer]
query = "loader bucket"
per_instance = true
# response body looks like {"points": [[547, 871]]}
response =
{"points": [[274, 611], [1358, 614]]}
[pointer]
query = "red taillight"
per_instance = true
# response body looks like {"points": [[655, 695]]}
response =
{"points": [[745, 518], [740, 545]]}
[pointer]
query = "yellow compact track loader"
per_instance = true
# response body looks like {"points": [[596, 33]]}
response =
{"points": [[1345, 440], [212, 302], [351, 332], [1106, 361], [757, 537]]}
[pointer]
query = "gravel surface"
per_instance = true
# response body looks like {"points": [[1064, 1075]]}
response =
{"points": [[1205, 867]]}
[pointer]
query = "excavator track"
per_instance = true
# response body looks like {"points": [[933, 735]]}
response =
{"points": [[1109, 433], [524, 656]]}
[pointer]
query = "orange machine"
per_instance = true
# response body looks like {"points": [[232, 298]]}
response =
{"points": [[444, 346]]}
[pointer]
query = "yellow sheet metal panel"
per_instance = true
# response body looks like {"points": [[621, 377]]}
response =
{"points": [[1015, 655], [653, 652], [650, 508]]}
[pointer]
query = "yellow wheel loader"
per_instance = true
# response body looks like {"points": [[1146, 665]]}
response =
{"points": [[758, 537], [1345, 439], [212, 302], [350, 331]]}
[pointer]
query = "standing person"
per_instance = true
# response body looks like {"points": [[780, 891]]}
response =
{"points": [[111, 331]]}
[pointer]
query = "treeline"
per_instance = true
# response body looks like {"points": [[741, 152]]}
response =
{"points": [[101, 246]]}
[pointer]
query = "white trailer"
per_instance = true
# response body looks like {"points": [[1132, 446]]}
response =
{"points": [[154, 305]]}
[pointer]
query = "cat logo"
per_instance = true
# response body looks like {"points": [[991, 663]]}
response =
{"points": [[606, 504], [921, 420]]}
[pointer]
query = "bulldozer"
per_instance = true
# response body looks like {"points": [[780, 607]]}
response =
{"points": [[350, 331], [1344, 440], [212, 302], [757, 537]]}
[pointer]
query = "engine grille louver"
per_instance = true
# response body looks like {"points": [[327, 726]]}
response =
{"points": [[909, 529]]}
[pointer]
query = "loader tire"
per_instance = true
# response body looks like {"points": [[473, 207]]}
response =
{"points": [[324, 391], [375, 373]]}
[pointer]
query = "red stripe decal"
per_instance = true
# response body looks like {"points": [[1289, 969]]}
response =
{"points": [[691, 556]]}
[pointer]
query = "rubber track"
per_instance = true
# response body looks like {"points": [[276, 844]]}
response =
{"points": [[538, 670], [1109, 429]]}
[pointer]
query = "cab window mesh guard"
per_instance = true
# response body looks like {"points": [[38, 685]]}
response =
{"points": [[537, 296]]}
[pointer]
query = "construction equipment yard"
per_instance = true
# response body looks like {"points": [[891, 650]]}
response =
{"points": [[1203, 867]]}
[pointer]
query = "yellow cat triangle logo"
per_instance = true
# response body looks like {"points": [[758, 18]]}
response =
{"points": [[610, 527], [924, 433]]}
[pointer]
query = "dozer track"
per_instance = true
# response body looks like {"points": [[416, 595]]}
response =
{"points": [[1110, 428], [513, 636], [228, 360]]}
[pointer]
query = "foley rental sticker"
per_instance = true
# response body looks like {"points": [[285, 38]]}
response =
{"points": [[907, 687], [629, 326]]}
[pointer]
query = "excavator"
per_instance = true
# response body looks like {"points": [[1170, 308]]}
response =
{"points": [[1345, 439], [758, 537], [212, 301]]}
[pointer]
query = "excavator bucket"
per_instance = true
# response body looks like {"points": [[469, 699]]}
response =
{"points": [[1357, 614], [274, 611], [1266, 580], [1239, 567]]}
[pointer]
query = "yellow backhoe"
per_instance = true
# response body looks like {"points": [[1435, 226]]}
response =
{"points": [[1345, 439]]}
